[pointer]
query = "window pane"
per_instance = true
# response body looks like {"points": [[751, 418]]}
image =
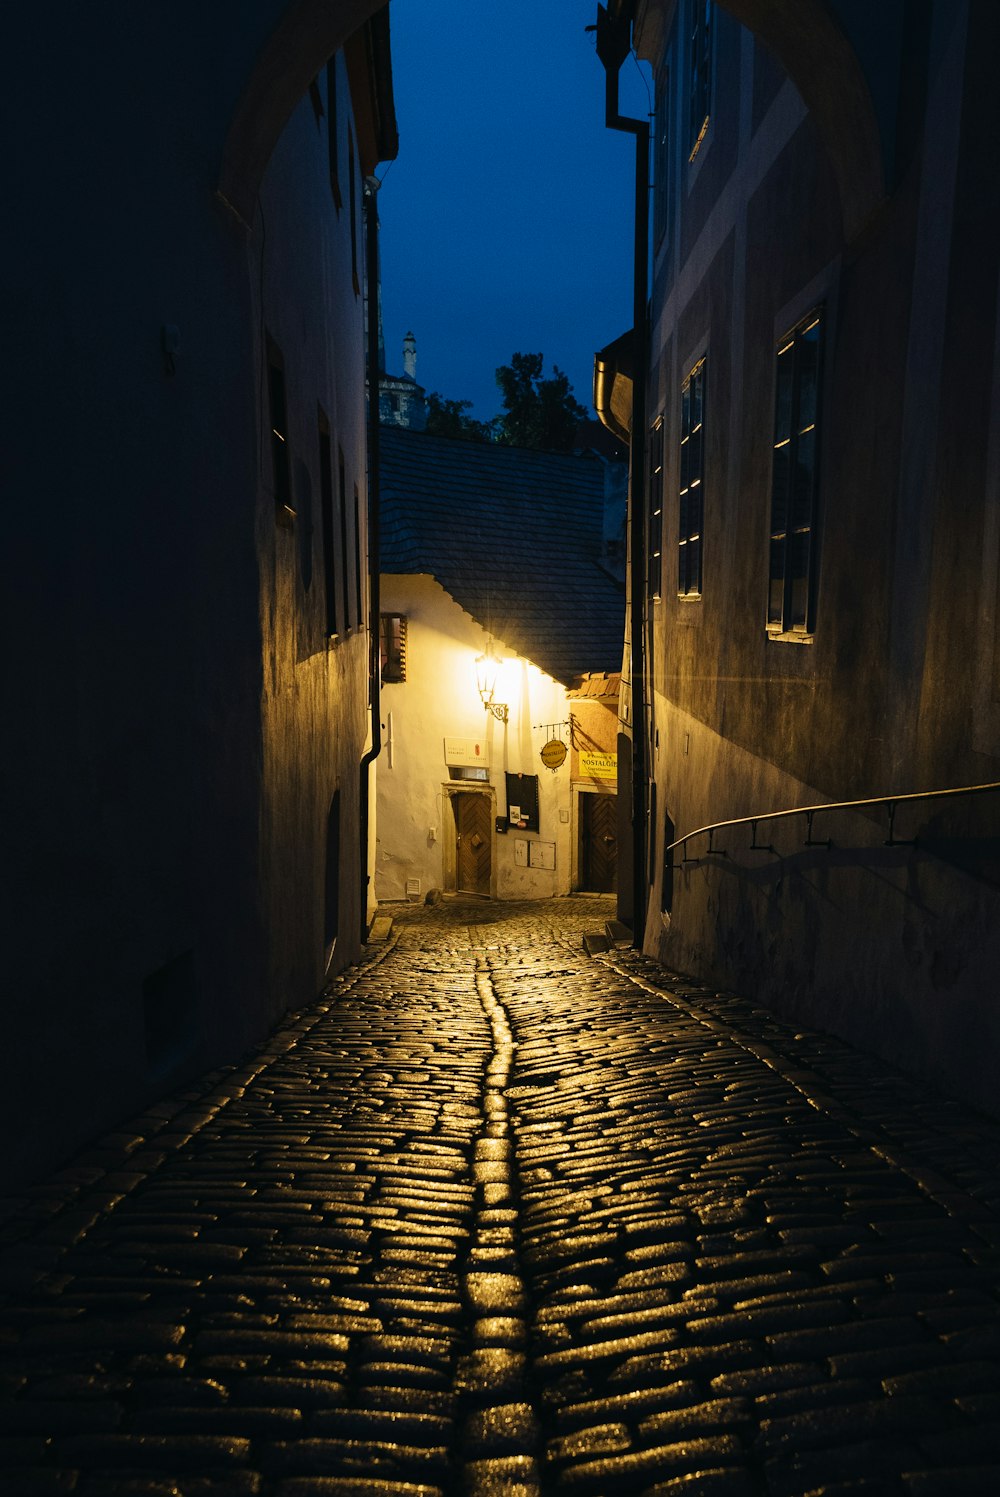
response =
{"points": [[802, 495], [783, 395], [779, 490], [798, 563], [807, 351]]}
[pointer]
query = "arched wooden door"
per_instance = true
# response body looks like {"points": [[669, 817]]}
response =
{"points": [[473, 843]]}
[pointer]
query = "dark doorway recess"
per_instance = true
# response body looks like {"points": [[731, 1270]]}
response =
{"points": [[331, 906]]}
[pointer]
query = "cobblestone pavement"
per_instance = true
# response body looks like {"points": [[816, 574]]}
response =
{"points": [[496, 1217]]}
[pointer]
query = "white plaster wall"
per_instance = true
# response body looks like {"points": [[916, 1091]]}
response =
{"points": [[439, 699]]}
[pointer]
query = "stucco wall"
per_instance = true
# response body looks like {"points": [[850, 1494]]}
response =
{"points": [[146, 818], [439, 700], [315, 687], [895, 689]]}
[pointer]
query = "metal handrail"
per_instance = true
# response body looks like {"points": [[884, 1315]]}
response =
{"points": [[890, 802]]}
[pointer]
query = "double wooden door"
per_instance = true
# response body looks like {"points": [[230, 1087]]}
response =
{"points": [[473, 842], [598, 843]]}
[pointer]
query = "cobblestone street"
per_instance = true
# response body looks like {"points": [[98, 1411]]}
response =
{"points": [[496, 1216]]}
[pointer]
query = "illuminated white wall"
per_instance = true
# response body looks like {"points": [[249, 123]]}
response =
{"points": [[439, 700]]}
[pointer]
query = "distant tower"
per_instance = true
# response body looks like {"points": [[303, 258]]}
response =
{"points": [[401, 400]]}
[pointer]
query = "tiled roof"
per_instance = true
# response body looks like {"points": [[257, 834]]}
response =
{"points": [[514, 536]]}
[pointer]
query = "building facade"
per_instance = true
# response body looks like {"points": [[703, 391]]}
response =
{"points": [[187, 444], [821, 530], [499, 701]]}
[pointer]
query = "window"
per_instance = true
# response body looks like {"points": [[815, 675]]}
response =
{"points": [[359, 568], [699, 74], [281, 472], [392, 646], [352, 188], [661, 157], [333, 143], [792, 579], [329, 526], [692, 502], [522, 797], [654, 536], [345, 549]]}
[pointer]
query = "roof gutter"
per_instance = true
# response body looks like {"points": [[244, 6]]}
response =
{"points": [[613, 46]]}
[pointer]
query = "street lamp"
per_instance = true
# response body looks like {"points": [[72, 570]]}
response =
{"points": [[487, 670]]}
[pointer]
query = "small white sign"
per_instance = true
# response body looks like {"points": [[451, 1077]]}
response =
{"points": [[520, 852], [465, 751]]}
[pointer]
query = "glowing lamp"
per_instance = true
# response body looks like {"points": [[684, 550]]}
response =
{"points": [[487, 671]]}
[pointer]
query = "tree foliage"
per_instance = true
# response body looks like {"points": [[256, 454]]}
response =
{"points": [[447, 418], [538, 412]]}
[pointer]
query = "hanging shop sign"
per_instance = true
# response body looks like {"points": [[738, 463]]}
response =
{"points": [[553, 754]]}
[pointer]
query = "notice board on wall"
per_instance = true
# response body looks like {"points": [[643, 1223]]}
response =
{"points": [[522, 802]]}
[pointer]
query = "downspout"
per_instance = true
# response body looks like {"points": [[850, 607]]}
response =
{"points": [[613, 46], [374, 601]]}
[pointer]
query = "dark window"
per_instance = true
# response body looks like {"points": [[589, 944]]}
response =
{"points": [[359, 569], [352, 188], [333, 142], [345, 550], [692, 500], [331, 890], [792, 580], [522, 794], [654, 538], [699, 73], [392, 646], [281, 472], [661, 157], [329, 524]]}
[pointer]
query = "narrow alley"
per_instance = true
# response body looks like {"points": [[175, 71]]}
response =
{"points": [[499, 1216]]}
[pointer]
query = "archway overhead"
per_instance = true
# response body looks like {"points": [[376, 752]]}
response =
{"points": [[812, 41], [302, 35]]}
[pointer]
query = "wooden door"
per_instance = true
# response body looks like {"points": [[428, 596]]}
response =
{"points": [[598, 843], [474, 835]]}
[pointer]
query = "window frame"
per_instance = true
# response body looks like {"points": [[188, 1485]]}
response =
{"points": [[277, 417], [700, 74], [691, 577], [654, 511], [784, 625]]}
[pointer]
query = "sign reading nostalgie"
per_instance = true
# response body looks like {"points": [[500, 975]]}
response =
{"points": [[554, 753], [594, 766]]}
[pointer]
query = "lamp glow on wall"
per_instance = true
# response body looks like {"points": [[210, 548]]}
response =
{"points": [[487, 671]]}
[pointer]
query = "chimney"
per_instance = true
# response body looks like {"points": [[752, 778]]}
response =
{"points": [[410, 357]]}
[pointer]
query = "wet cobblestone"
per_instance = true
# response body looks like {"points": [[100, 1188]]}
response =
{"points": [[498, 1217]]}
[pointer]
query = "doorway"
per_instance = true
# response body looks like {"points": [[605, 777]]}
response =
{"points": [[473, 842], [598, 843]]}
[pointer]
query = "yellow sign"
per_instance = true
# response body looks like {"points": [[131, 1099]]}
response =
{"points": [[598, 766], [554, 753]]}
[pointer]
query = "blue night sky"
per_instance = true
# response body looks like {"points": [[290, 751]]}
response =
{"points": [[506, 222]]}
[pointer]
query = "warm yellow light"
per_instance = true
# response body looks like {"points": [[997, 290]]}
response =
{"points": [[487, 672]]}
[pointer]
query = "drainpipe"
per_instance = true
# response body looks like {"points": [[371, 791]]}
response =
{"points": [[374, 602], [613, 46]]}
